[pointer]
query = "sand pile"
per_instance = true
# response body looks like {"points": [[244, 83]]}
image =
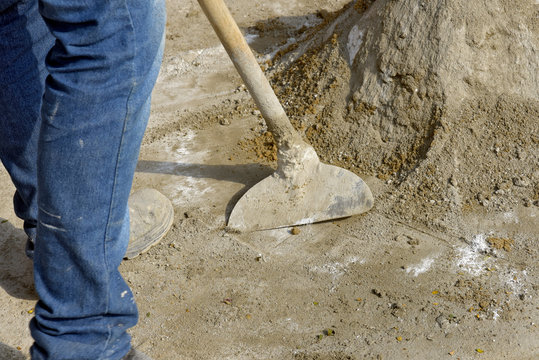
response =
{"points": [[437, 98]]}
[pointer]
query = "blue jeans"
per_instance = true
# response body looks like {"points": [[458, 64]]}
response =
{"points": [[75, 84]]}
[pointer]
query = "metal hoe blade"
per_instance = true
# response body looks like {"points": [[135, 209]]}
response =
{"points": [[315, 192]]}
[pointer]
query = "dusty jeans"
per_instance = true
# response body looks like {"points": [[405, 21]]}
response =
{"points": [[75, 84]]}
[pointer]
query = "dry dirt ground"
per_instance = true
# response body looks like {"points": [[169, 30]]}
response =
{"points": [[407, 280]]}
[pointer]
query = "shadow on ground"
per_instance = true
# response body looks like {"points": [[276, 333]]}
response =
{"points": [[278, 33], [248, 174], [16, 273], [8, 353]]}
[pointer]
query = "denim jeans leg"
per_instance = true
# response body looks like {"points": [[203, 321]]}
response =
{"points": [[24, 43], [96, 100]]}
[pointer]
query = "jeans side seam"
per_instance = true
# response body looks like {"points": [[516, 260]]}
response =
{"points": [[118, 163]]}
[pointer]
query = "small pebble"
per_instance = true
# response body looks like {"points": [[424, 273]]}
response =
{"points": [[520, 182]]}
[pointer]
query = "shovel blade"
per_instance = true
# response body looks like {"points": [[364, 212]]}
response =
{"points": [[324, 192]]}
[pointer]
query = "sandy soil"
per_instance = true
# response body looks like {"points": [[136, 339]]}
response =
{"points": [[443, 267]]}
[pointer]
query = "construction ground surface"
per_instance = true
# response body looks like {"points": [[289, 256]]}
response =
{"points": [[442, 267]]}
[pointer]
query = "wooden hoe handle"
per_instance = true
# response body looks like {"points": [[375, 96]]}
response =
{"points": [[245, 62]]}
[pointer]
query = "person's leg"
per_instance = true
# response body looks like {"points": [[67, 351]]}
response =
{"points": [[24, 43], [95, 108]]}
